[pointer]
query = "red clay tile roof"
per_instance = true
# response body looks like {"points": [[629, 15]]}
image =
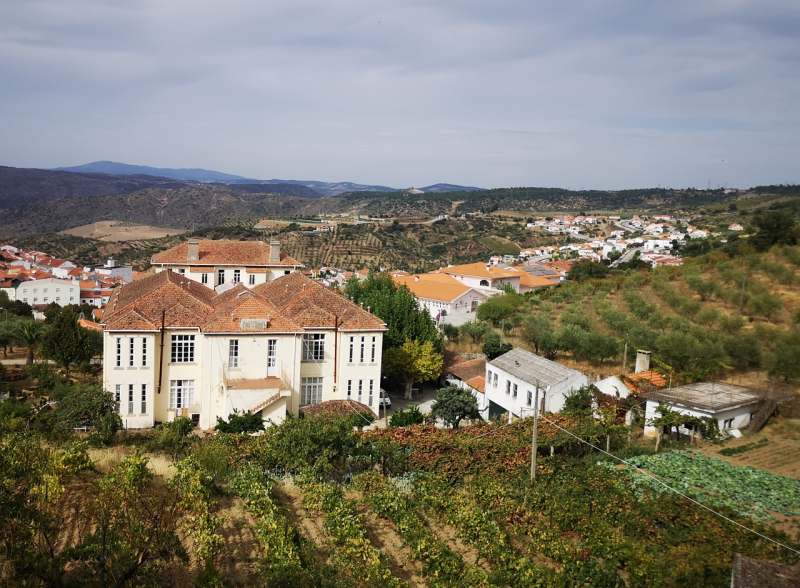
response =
{"points": [[301, 304], [451, 359], [469, 369], [310, 304], [246, 253], [478, 383], [184, 302], [643, 381]]}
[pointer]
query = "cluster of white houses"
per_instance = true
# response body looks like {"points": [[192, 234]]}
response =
{"points": [[176, 347], [225, 327]]}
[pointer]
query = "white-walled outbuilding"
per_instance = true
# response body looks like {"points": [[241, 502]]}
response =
{"points": [[512, 381], [732, 406]]}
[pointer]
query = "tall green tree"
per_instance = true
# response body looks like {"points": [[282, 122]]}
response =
{"points": [[774, 228], [454, 404], [397, 307], [29, 334], [66, 342], [587, 270], [414, 361]]}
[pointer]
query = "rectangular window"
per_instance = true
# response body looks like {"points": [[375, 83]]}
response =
{"points": [[220, 277], [530, 397], [349, 389], [204, 278], [131, 343], [252, 279], [489, 376], [130, 398], [182, 349], [233, 353], [181, 393], [119, 351], [515, 391], [363, 346], [495, 380], [182, 271], [118, 393], [144, 399], [371, 388], [272, 358], [313, 347], [237, 276], [310, 390], [144, 351], [360, 390], [374, 345], [508, 386], [352, 348]]}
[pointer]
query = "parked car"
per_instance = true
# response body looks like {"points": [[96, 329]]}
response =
{"points": [[385, 400]]}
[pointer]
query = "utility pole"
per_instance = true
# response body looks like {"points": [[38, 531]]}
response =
{"points": [[534, 441], [741, 296], [625, 358]]}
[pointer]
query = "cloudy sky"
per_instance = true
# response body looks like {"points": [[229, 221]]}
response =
{"points": [[586, 93]]}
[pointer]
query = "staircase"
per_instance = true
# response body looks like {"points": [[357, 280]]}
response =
{"points": [[762, 416], [262, 405]]}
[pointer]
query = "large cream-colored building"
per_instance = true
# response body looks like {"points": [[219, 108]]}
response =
{"points": [[215, 263], [174, 347]]}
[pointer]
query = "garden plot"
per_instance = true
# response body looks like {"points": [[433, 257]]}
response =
{"points": [[778, 457]]}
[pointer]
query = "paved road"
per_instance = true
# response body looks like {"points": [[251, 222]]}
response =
{"points": [[623, 225], [626, 257], [424, 401]]}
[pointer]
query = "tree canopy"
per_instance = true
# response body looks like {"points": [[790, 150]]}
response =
{"points": [[414, 361], [397, 307], [454, 404]]}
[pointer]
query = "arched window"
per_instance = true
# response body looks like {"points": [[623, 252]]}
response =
{"points": [[484, 282]]}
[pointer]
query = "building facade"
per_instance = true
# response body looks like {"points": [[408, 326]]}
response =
{"points": [[514, 378], [45, 291], [173, 347], [217, 263]]}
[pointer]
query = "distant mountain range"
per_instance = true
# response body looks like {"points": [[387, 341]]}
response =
{"points": [[211, 176], [123, 169]]}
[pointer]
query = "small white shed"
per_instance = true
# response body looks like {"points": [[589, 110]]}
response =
{"points": [[732, 406], [512, 381]]}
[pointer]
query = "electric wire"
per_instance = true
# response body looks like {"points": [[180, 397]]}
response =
{"points": [[678, 492]]}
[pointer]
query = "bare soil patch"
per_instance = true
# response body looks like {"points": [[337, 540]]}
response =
{"points": [[308, 525], [383, 536], [115, 231]]}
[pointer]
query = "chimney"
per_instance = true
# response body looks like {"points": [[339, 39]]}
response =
{"points": [[642, 361], [110, 262], [194, 250], [416, 278], [274, 251]]}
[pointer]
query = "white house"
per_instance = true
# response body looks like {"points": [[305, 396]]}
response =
{"points": [[732, 406], [512, 381], [47, 290], [214, 263], [483, 276], [442, 294], [173, 347], [111, 270]]}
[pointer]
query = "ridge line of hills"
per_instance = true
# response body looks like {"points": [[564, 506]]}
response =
{"points": [[204, 175]]}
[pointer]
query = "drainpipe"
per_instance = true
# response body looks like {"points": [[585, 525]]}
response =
{"points": [[161, 354], [335, 347]]}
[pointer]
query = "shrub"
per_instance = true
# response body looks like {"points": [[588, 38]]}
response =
{"points": [[241, 424], [493, 347], [406, 418]]}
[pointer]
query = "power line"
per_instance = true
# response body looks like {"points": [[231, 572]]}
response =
{"points": [[679, 493]]}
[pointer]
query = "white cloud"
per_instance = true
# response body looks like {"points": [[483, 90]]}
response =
{"points": [[595, 93]]}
